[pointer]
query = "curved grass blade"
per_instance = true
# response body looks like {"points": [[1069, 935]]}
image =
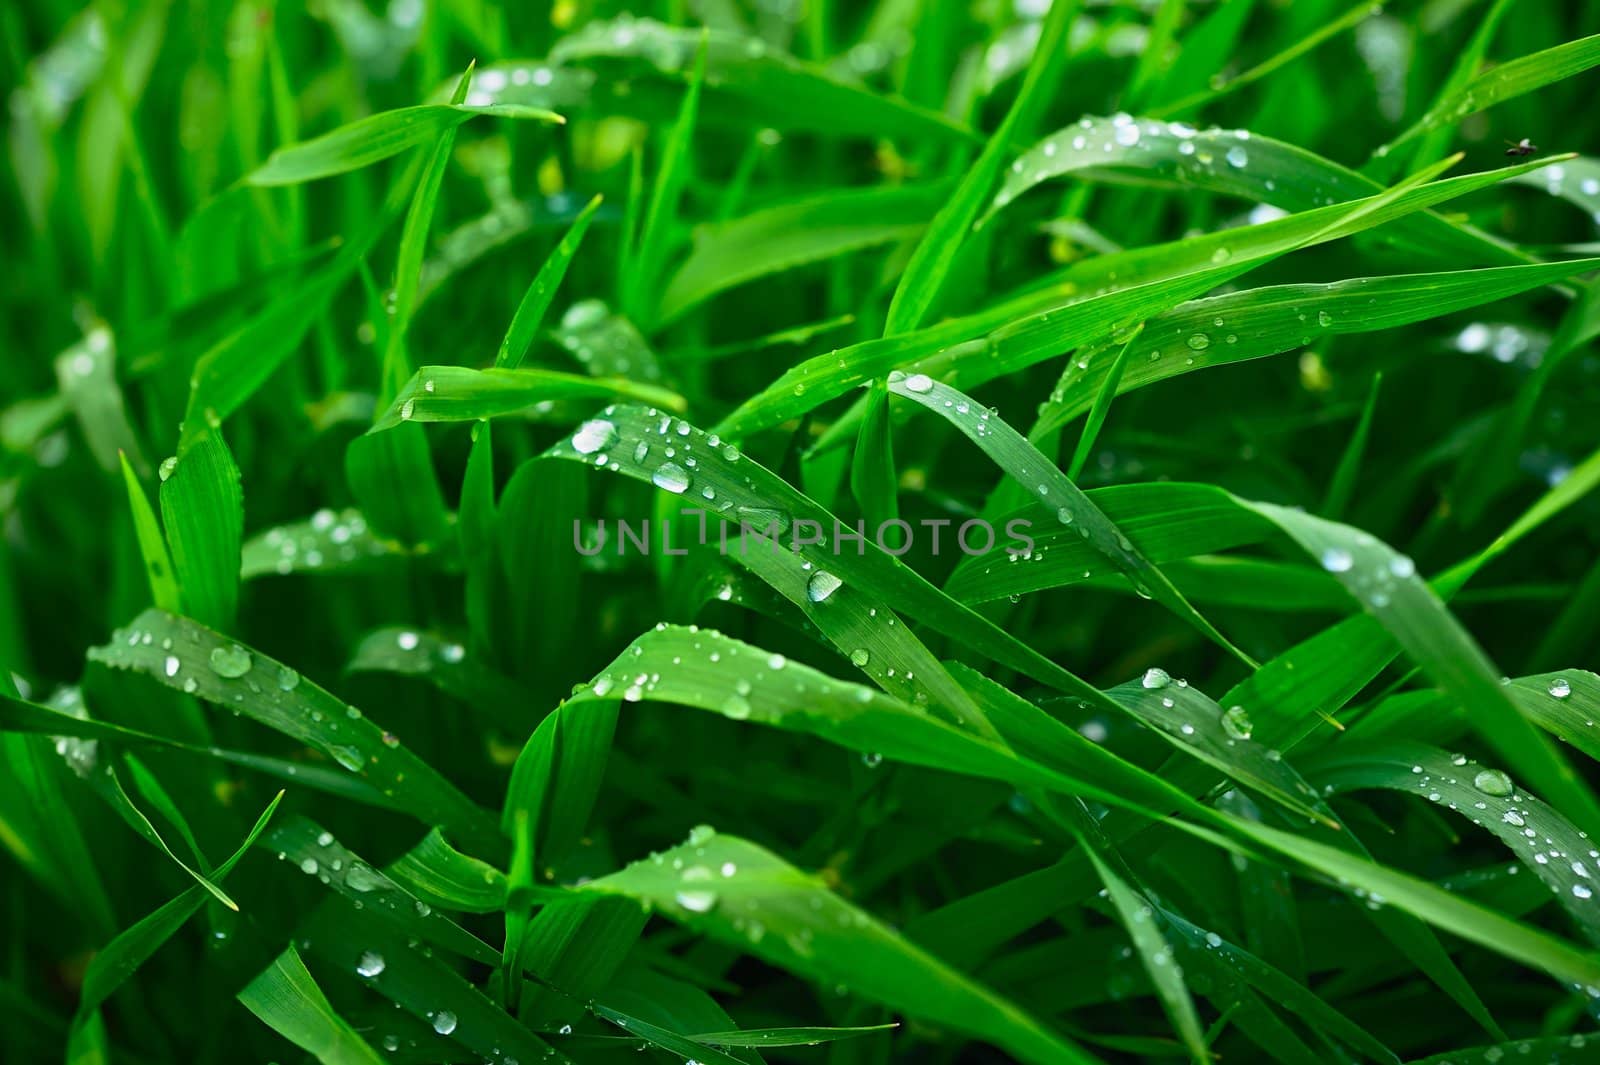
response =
{"points": [[665, 1038], [660, 220], [706, 670], [313, 850], [748, 82], [445, 664], [536, 301], [286, 998], [330, 541], [121, 958], [752, 900], [1544, 841], [1233, 963], [17, 715], [1235, 163], [1102, 407], [756, 1038], [352, 939], [459, 394], [1565, 704], [606, 343], [649, 446], [1254, 323], [157, 563], [187, 656], [1193, 723], [376, 138], [935, 254], [443, 876], [87, 377], [202, 506], [1031, 469], [1386, 584], [1506, 81], [1041, 325], [783, 237], [1137, 916], [1165, 522]]}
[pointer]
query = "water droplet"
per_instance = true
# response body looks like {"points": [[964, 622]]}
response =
{"points": [[1560, 687], [168, 465], [736, 707], [1237, 157], [370, 965], [407, 640], [1156, 678], [1199, 341], [860, 657], [288, 679], [407, 409], [670, 477], [1402, 567], [171, 665], [919, 383], [595, 435], [230, 661], [346, 756], [1337, 560], [1236, 723], [821, 585], [444, 1022], [1492, 782], [1581, 891], [1324, 319], [696, 900]]}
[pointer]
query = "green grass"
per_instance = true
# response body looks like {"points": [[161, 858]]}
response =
{"points": [[800, 532]]}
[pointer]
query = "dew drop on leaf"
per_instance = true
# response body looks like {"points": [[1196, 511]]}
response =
{"points": [[1492, 782], [230, 661], [821, 585], [671, 477]]}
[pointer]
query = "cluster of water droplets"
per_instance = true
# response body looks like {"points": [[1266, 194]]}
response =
{"points": [[1371, 574], [328, 539]]}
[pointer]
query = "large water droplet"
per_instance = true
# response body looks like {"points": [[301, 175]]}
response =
{"points": [[595, 435], [860, 657], [671, 477], [1337, 560], [1560, 687], [346, 756], [821, 585], [168, 465], [230, 661], [695, 899], [444, 1022], [1236, 723], [371, 964], [1199, 341], [1156, 678], [919, 383], [1237, 157], [1492, 782]]}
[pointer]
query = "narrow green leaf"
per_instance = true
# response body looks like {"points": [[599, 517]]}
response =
{"points": [[286, 998], [536, 301], [375, 138]]}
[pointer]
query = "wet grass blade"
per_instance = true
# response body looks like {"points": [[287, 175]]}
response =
{"points": [[187, 656], [776, 239], [1556, 852], [286, 998], [152, 545], [376, 138], [1507, 81], [753, 900], [202, 505], [1034, 472], [536, 301], [458, 394]]}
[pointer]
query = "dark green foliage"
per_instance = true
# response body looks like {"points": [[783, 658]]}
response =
{"points": [[746, 532]]}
